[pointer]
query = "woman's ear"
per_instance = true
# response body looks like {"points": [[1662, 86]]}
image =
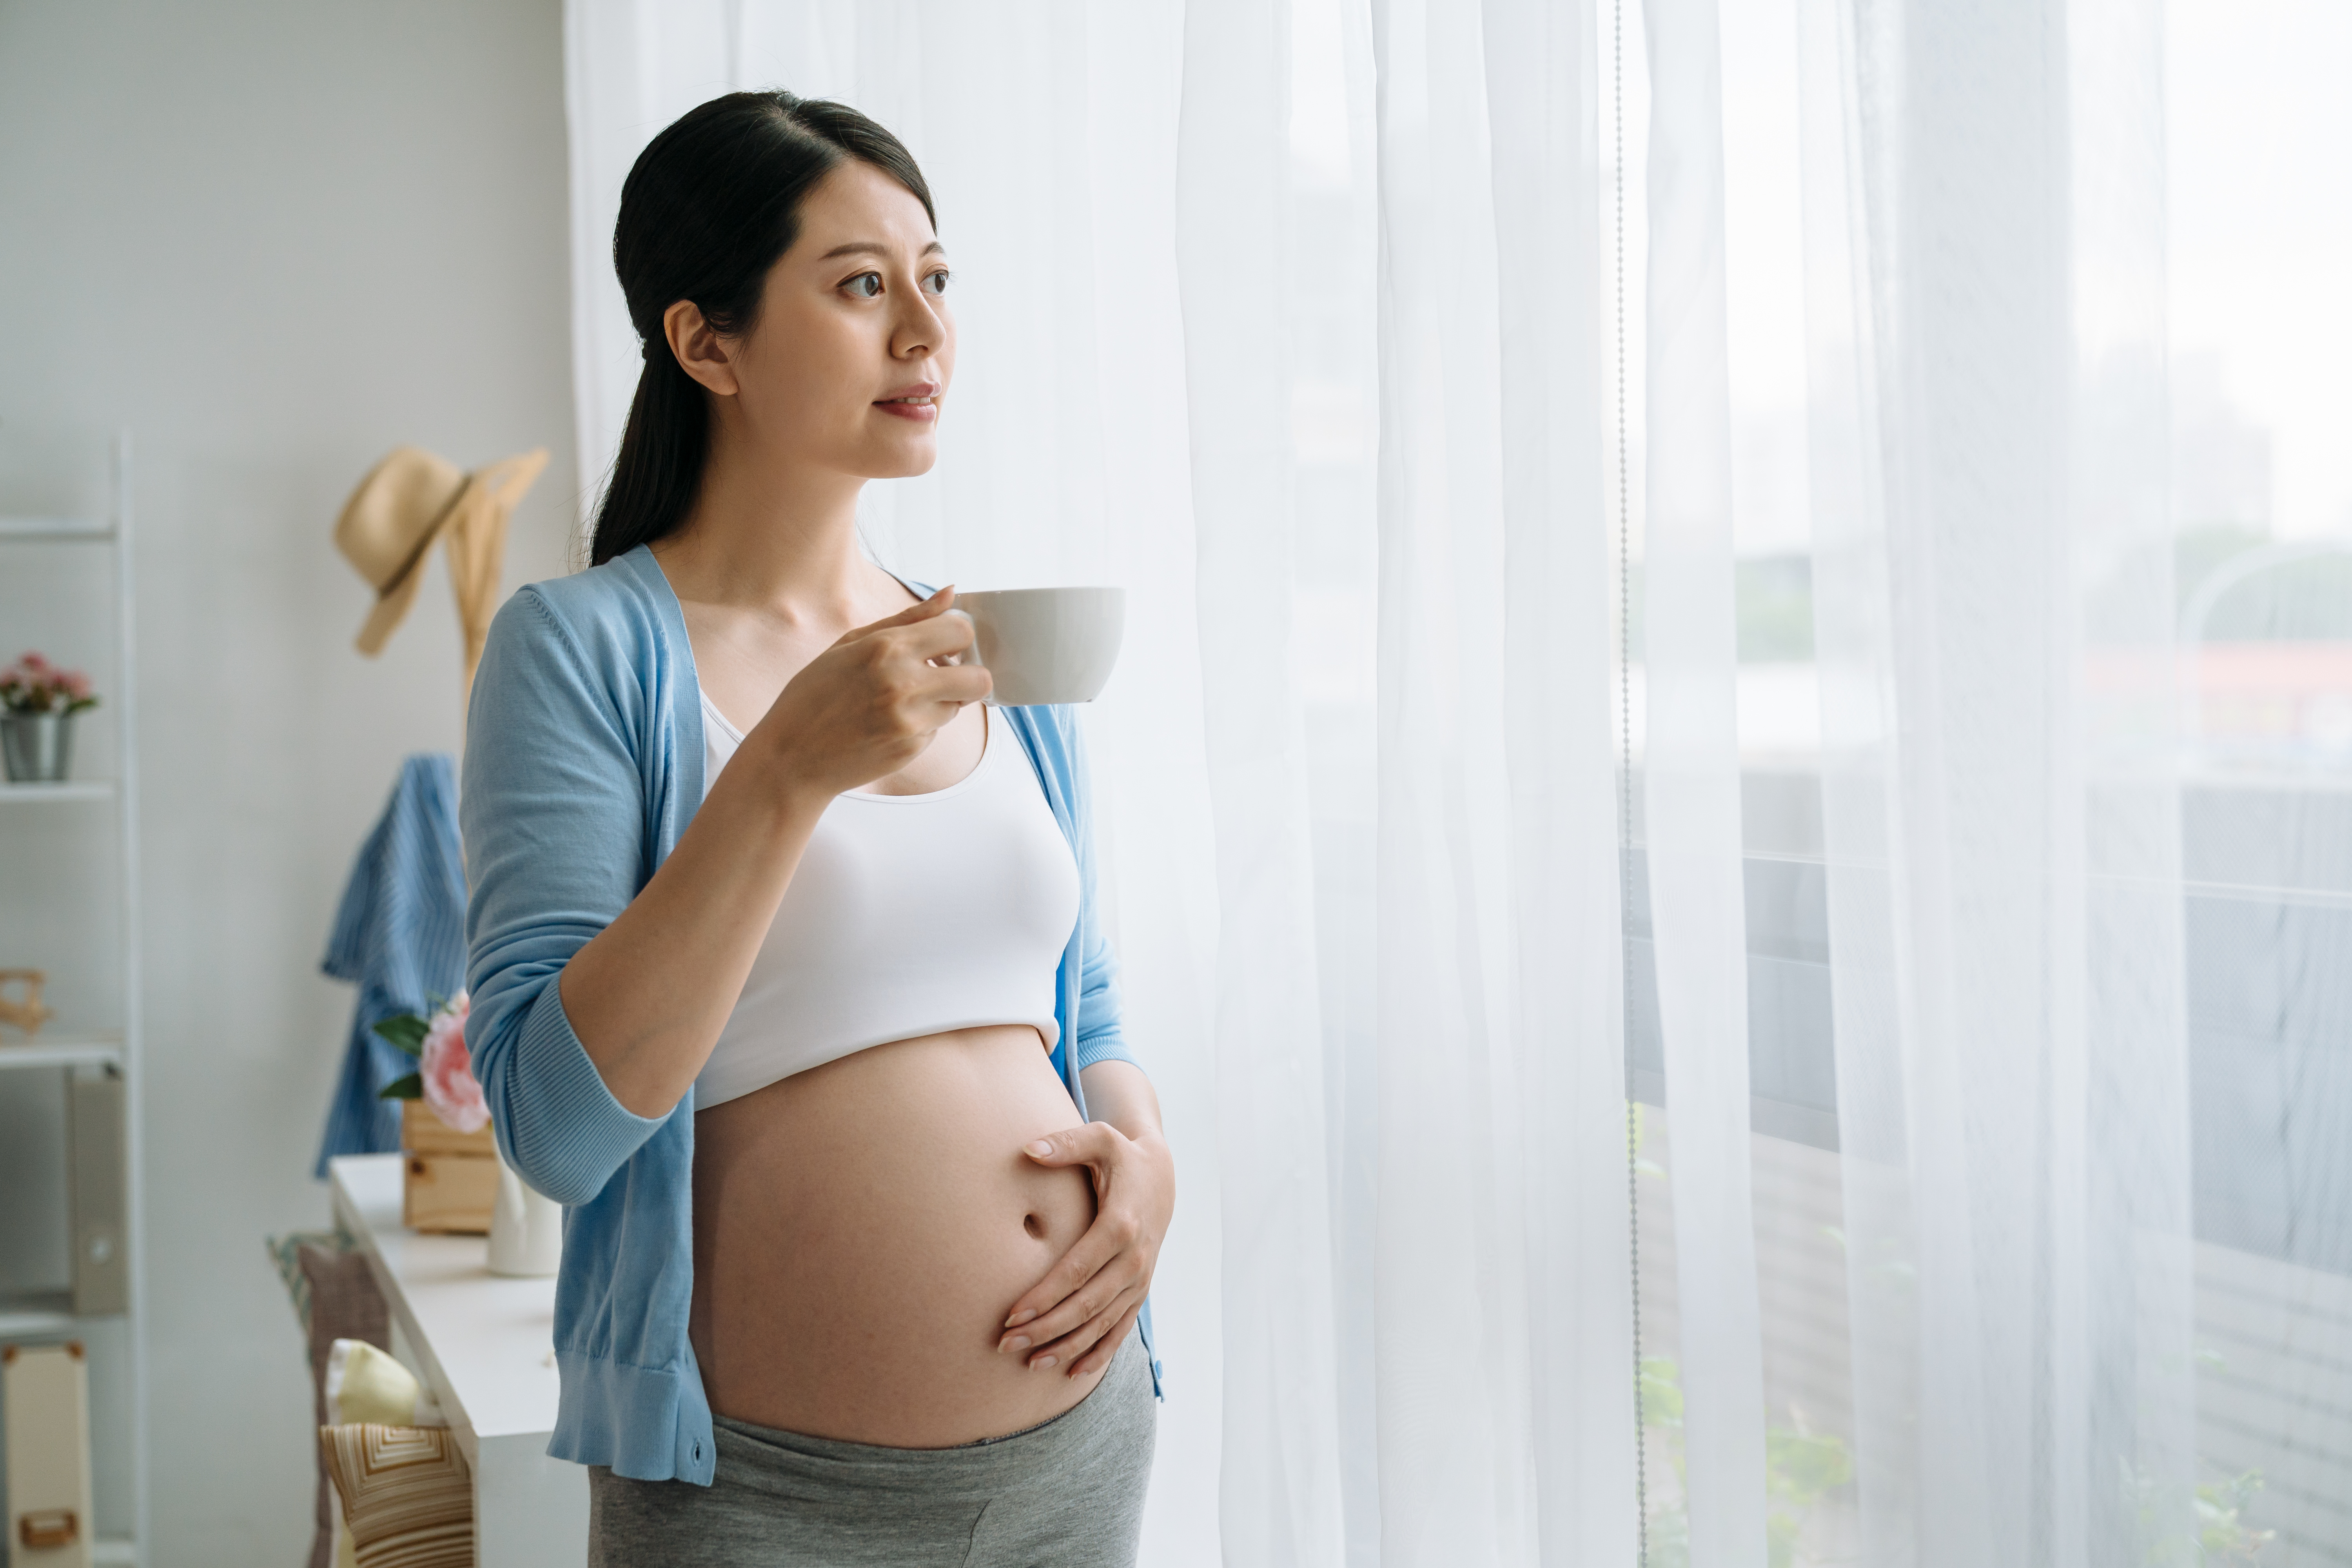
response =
{"points": [[707, 356]]}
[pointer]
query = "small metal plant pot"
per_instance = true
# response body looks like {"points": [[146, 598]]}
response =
{"points": [[39, 746]]}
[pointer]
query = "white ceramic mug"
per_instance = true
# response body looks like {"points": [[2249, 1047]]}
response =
{"points": [[1045, 644]]}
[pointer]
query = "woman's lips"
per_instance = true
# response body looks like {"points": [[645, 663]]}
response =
{"points": [[923, 410]]}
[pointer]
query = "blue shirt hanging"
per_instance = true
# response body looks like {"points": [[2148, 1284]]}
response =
{"points": [[401, 936]]}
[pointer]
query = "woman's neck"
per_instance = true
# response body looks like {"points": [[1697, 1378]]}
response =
{"points": [[776, 536]]}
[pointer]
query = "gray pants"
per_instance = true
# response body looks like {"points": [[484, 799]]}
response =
{"points": [[1068, 1493]]}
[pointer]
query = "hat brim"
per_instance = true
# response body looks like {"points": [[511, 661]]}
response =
{"points": [[391, 605]]}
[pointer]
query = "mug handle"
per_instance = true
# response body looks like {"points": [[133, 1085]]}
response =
{"points": [[971, 656]]}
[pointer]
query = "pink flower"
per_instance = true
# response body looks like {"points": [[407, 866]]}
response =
{"points": [[33, 685], [448, 1071]]}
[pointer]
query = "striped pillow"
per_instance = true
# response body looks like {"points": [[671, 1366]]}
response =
{"points": [[407, 1495]]}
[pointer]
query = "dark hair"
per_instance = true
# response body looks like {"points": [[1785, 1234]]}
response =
{"points": [[710, 204]]}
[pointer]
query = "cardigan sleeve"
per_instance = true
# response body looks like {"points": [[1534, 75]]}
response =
{"points": [[1102, 1031], [553, 810]]}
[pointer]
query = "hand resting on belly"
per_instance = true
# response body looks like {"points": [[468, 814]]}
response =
{"points": [[861, 1229]]}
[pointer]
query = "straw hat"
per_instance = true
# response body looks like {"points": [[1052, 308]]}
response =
{"points": [[407, 502]]}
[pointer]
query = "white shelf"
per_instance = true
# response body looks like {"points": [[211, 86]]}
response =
{"points": [[49, 1050], [71, 789], [50, 1315], [55, 530], [42, 1314]]}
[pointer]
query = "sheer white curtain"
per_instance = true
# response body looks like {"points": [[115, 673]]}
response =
{"points": [[1211, 259], [1973, 835], [1502, 1347], [2004, 870], [1690, 767], [1300, 320]]}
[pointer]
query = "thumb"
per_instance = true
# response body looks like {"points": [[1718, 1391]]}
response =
{"points": [[937, 605], [1074, 1146]]}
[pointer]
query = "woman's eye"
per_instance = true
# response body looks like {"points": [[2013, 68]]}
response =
{"points": [[865, 285], [937, 282]]}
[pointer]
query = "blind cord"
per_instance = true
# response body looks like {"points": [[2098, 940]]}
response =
{"points": [[1625, 795]]}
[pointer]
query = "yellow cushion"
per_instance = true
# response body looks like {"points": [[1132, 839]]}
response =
{"points": [[365, 1384], [407, 1495]]}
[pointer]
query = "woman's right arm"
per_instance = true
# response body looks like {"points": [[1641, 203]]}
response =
{"points": [[643, 992]]}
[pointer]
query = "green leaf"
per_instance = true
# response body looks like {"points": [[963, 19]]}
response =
{"points": [[405, 1030], [409, 1088], [1801, 1466]]}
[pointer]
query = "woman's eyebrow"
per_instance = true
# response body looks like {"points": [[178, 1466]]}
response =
{"points": [[874, 248]]}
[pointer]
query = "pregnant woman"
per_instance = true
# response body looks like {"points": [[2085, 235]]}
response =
{"points": [[787, 975]]}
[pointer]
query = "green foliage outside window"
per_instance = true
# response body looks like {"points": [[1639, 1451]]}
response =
{"points": [[1800, 1467]]}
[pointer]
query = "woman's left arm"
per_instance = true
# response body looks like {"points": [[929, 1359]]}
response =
{"points": [[1076, 1317]]}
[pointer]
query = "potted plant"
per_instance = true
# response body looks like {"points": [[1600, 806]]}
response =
{"points": [[38, 704], [451, 1170]]}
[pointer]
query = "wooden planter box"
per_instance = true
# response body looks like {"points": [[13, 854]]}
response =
{"points": [[451, 1178]]}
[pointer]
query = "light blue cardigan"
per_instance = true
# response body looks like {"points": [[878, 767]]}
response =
{"points": [[584, 764]]}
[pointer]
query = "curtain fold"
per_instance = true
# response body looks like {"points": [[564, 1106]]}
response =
{"points": [[1501, 1099], [1691, 778], [1449, 1300], [1993, 604], [1279, 1487], [1861, 806], [1559, 708]]}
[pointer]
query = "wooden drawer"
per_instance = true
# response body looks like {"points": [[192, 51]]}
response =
{"points": [[451, 1179], [449, 1193]]}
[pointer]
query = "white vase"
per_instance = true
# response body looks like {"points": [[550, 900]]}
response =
{"points": [[526, 1229]]}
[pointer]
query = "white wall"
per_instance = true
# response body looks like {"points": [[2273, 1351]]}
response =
{"points": [[274, 237]]}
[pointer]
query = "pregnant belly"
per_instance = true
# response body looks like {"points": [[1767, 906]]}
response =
{"points": [[862, 1229]]}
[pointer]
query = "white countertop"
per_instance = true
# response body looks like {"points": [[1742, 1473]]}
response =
{"points": [[485, 1342]]}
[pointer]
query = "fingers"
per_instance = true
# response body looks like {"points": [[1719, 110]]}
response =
{"points": [[930, 609], [960, 684], [1063, 1350], [1070, 1351], [932, 636], [1099, 1358], [902, 660], [1095, 1142], [1097, 1292], [1055, 1305], [898, 650]]}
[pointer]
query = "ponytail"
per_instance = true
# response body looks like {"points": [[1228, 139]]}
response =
{"points": [[710, 208], [659, 467]]}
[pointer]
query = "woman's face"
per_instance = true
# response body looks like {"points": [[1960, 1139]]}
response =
{"points": [[847, 366]]}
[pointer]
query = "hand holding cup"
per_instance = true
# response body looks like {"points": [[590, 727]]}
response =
{"points": [[868, 705]]}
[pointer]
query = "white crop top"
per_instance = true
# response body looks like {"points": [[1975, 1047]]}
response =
{"points": [[910, 914]]}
